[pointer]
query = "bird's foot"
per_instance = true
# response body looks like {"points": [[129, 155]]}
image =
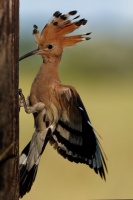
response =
{"points": [[25, 103]]}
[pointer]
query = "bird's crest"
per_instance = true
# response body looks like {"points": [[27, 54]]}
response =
{"points": [[59, 28]]}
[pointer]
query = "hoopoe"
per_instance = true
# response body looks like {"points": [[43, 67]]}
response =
{"points": [[59, 114]]}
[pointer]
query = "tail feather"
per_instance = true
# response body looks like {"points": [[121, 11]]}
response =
{"points": [[26, 179], [30, 158], [24, 154]]}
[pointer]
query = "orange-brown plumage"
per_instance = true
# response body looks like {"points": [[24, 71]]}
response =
{"points": [[57, 30], [59, 114]]}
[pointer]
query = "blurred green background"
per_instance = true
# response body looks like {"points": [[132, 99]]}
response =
{"points": [[102, 72]]}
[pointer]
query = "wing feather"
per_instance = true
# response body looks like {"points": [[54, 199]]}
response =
{"points": [[74, 137]]}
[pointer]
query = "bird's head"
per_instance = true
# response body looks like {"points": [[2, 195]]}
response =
{"points": [[54, 36]]}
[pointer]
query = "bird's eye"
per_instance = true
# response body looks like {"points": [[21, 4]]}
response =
{"points": [[50, 46]]}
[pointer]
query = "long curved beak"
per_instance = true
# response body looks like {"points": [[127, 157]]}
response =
{"points": [[34, 52]]}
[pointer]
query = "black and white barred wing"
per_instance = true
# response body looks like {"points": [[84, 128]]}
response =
{"points": [[74, 137]]}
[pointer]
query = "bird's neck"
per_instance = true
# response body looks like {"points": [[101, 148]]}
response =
{"points": [[47, 76], [48, 72]]}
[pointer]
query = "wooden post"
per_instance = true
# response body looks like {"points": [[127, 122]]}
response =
{"points": [[9, 118]]}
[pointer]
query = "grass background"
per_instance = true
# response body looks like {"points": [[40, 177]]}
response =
{"points": [[102, 72]]}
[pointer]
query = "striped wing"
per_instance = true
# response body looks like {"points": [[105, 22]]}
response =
{"points": [[74, 137]]}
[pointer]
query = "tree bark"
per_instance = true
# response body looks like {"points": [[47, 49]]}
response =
{"points": [[9, 113]]}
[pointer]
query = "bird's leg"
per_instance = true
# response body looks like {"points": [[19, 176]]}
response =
{"points": [[25, 103]]}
